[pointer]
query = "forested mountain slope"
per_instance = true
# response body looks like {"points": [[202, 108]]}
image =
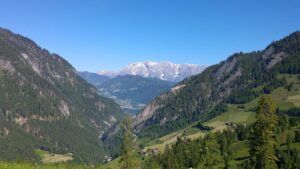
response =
{"points": [[239, 79], [45, 105]]}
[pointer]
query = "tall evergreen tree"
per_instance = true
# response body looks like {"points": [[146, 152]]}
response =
{"points": [[225, 139], [127, 145], [210, 152], [262, 141]]}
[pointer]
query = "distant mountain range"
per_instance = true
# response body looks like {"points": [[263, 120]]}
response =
{"points": [[131, 92], [138, 83], [162, 70]]}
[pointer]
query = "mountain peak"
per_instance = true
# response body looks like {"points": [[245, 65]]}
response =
{"points": [[164, 70]]}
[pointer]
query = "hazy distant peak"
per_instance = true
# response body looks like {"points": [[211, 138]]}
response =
{"points": [[162, 70]]}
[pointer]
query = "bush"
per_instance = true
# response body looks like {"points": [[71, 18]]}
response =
{"points": [[292, 112], [297, 136], [267, 89], [202, 127], [241, 106]]}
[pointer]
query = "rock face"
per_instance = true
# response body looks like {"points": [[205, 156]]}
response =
{"points": [[203, 96], [45, 105], [162, 70]]}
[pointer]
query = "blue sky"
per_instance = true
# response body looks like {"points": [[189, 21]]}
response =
{"points": [[108, 34]]}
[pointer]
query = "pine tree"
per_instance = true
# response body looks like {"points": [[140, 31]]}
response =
{"points": [[262, 141], [246, 165], [297, 136], [225, 140], [127, 145], [210, 152], [283, 126]]}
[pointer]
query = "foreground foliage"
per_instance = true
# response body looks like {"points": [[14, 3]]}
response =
{"points": [[7, 165], [126, 156], [269, 143], [262, 139]]}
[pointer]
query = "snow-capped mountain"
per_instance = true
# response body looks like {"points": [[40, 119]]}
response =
{"points": [[161, 70]]}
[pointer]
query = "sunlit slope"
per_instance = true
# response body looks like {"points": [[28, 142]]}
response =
{"points": [[237, 114]]}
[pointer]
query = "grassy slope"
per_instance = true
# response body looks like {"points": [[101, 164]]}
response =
{"points": [[49, 158], [233, 115], [115, 164], [283, 98]]}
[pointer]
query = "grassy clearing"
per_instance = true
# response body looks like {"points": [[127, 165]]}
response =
{"points": [[295, 99], [295, 90], [283, 98], [233, 115], [164, 141], [280, 97], [115, 164], [48, 158]]}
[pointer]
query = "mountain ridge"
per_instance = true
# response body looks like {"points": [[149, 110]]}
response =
{"points": [[45, 105], [203, 96], [162, 70]]}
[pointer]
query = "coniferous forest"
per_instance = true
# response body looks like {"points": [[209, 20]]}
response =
{"points": [[160, 84]]}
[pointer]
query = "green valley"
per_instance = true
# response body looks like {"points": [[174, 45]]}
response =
{"points": [[149, 84]]}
